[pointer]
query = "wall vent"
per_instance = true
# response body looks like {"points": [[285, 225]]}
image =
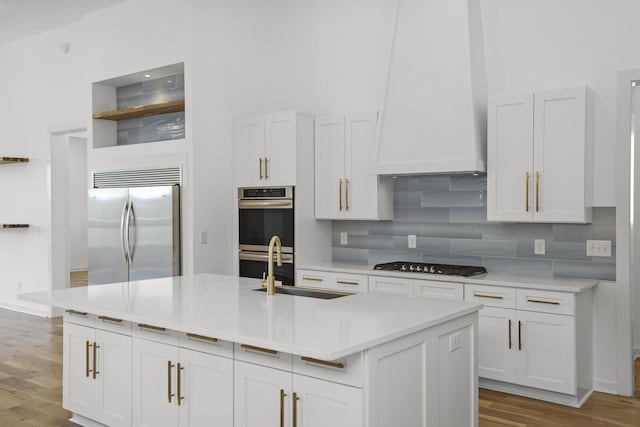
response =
{"points": [[138, 178]]}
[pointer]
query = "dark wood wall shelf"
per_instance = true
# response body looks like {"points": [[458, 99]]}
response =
{"points": [[10, 160], [142, 111], [15, 225]]}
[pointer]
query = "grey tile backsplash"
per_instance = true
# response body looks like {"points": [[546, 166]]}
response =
{"points": [[449, 217]]}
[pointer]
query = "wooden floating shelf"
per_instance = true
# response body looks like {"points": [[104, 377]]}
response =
{"points": [[15, 225], [10, 160], [142, 111]]}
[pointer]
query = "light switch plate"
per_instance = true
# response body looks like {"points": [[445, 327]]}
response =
{"points": [[454, 341], [411, 241], [344, 238], [599, 248], [539, 247]]}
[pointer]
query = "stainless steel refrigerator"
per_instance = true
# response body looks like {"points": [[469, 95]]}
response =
{"points": [[134, 233]]}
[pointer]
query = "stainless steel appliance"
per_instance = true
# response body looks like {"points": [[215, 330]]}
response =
{"points": [[265, 212], [421, 267], [134, 233]]}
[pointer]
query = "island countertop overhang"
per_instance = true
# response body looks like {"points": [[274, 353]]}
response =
{"points": [[227, 308]]}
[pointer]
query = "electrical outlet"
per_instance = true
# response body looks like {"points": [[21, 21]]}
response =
{"points": [[411, 241], [454, 341], [539, 247], [599, 248], [344, 238], [203, 238]]}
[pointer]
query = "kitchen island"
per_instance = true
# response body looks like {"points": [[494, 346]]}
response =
{"points": [[203, 349]]}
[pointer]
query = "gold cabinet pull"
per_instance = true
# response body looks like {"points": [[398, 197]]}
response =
{"points": [[282, 396], [202, 338], [151, 327], [266, 168], [537, 191], [519, 335], [346, 193], [95, 360], [294, 401], [526, 191], [312, 279], [260, 349], [487, 296], [169, 367], [260, 167], [347, 282], [340, 194], [179, 397], [509, 334], [87, 370], [323, 362], [539, 301], [77, 313], [109, 319]]}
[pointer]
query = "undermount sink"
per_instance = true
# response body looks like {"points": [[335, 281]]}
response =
{"points": [[306, 292]]}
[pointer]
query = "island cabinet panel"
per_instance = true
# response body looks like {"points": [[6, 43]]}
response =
{"points": [[97, 374], [321, 403]]}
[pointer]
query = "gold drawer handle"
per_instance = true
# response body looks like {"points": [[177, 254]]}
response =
{"points": [[347, 282], [151, 327], [202, 338], [312, 279], [487, 296], [87, 369], [78, 313], [323, 362], [260, 349], [109, 319], [169, 367], [526, 192], [543, 302]]}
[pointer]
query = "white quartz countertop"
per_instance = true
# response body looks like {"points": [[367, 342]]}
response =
{"points": [[498, 279], [227, 308]]}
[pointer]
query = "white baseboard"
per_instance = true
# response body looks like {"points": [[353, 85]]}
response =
{"points": [[610, 387], [636, 353], [76, 269], [25, 307]]}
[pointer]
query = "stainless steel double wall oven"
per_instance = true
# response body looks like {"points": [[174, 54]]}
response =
{"points": [[264, 212]]}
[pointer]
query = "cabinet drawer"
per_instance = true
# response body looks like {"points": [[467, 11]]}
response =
{"points": [[351, 282], [437, 289], [347, 370], [545, 301], [390, 285], [491, 296], [113, 324], [154, 333], [206, 344], [314, 279], [80, 318], [263, 356]]}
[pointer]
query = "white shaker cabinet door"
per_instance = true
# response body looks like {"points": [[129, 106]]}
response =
{"points": [[154, 384], [497, 344], [329, 168], [509, 158], [206, 390], [321, 403], [262, 396], [391, 285], [79, 387], [248, 151], [280, 148], [546, 358], [113, 396]]}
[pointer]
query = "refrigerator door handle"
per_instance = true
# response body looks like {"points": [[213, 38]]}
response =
{"points": [[131, 221], [122, 232]]}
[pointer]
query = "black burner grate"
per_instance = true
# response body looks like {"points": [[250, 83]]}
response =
{"points": [[421, 267]]}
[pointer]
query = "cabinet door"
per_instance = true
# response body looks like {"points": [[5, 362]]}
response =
{"points": [[497, 344], [323, 403], [248, 151], [361, 188], [262, 396], [280, 148], [154, 384], [438, 289], [79, 387], [390, 285], [329, 167], [206, 388], [509, 158], [560, 156], [113, 397], [547, 358]]}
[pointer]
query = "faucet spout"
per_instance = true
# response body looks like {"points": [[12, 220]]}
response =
{"points": [[271, 279]]}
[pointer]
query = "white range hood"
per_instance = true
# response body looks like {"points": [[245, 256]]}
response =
{"points": [[434, 117]]}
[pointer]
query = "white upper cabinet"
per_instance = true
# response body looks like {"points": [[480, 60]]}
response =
{"points": [[264, 149], [346, 184], [539, 157]]}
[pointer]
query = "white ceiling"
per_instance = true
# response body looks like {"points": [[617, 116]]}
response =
{"points": [[23, 18]]}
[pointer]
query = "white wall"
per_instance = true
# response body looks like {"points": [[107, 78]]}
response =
{"points": [[77, 192]]}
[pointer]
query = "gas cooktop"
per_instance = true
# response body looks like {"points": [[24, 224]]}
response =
{"points": [[421, 267]]}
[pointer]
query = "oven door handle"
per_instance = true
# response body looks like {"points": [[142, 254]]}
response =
{"points": [[263, 257], [268, 204]]}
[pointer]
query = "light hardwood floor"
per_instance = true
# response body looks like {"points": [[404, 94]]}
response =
{"points": [[31, 387]]}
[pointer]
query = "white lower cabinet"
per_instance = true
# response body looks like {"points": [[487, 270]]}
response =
{"points": [[496, 351], [267, 397], [174, 386], [97, 374], [344, 282], [417, 288]]}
